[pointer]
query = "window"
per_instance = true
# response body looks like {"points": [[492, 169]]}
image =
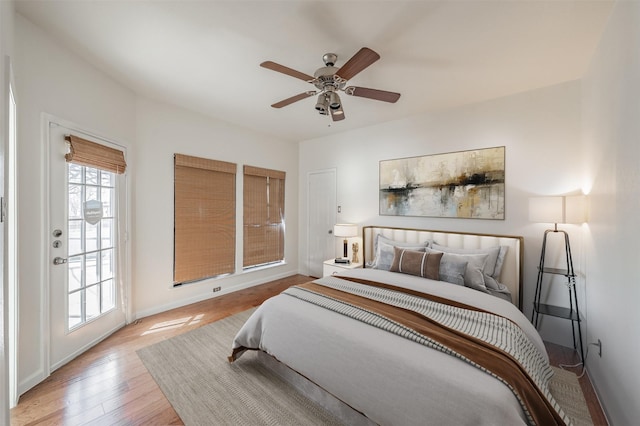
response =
{"points": [[204, 218], [263, 216], [92, 243]]}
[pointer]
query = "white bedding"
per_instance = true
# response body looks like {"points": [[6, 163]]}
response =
{"points": [[391, 380]]}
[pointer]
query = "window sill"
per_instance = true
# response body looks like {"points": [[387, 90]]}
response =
{"points": [[263, 267]]}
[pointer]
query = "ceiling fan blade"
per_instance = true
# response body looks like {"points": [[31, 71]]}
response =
{"points": [[357, 63], [286, 70], [337, 114], [293, 99], [378, 95]]}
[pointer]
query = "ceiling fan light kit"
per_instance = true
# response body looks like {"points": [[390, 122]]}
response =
{"points": [[330, 79], [323, 104], [334, 100]]}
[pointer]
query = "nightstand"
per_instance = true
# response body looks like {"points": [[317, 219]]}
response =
{"points": [[330, 267]]}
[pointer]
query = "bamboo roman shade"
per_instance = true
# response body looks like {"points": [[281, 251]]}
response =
{"points": [[205, 218], [263, 216], [91, 154]]}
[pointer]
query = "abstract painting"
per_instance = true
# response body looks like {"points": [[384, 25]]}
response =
{"points": [[464, 184]]}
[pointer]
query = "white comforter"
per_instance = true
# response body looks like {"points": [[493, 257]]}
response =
{"points": [[391, 380]]}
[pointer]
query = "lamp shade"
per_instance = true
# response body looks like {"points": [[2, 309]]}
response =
{"points": [[346, 230], [576, 209], [547, 209]]}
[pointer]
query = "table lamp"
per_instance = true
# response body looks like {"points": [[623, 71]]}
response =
{"points": [[345, 230]]}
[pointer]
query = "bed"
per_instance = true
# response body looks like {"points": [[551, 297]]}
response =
{"points": [[386, 364]]}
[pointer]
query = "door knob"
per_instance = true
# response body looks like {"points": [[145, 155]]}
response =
{"points": [[59, 261]]}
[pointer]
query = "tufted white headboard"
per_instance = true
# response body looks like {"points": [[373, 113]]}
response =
{"points": [[511, 274]]}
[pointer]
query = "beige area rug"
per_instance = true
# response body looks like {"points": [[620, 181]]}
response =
{"points": [[566, 389], [205, 389]]}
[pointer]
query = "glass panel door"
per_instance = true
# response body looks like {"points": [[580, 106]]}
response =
{"points": [[84, 299]]}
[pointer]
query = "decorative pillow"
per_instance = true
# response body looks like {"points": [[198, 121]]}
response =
{"points": [[500, 262], [491, 283], [497, 289], [500, 295], [492, 252], [420, 263], [384, 251], [452, 270], [474, 273]]}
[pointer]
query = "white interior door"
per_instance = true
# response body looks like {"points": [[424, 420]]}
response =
{"points": [[322, 217], [85, 300]]}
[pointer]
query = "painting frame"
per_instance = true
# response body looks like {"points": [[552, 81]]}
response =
{"points": [[466, 184]]}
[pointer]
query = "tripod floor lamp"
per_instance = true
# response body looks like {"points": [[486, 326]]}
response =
{"points": [[558, 210]]}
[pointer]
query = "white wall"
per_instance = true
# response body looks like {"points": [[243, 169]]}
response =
{"points": [[163, 130], [612, 169], [541, 133], [52, 80]]}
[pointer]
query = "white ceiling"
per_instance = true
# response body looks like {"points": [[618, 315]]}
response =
{"points": [[205, 55]]}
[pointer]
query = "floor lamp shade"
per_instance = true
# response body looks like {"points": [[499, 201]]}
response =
{"points": [[575, 209], [569, 209], [345, 230], [547, 209]]}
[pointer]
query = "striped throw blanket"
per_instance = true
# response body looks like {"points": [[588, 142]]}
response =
{"points": [[487, 341]]}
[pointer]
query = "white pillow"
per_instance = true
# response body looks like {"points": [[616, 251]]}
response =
{"points": [[383, 248]]}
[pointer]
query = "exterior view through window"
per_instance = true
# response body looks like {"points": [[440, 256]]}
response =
{"points": [[92, 243]]}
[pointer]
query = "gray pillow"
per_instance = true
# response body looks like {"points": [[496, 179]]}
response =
{"points": [[502, 292], [474, 273], [452, 270], [500, 262], [384, 251], [492, 252]]}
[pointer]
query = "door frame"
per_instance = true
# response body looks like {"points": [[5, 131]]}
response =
{"points": [[48, 120], [10, 258], [334, 171]]}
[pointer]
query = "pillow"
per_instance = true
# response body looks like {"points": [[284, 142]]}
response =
{"points": [[383, 249], [502, 292], [473, 275], [492, 252], [382, 238], [491, 283], [420, 263], [452, 270], [500, 262]]}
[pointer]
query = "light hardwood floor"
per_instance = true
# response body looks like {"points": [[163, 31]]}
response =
{"points": [[109, 385]]}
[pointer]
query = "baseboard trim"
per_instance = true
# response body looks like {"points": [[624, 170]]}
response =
{"points": [[30, 382], [86, 347], [597, 393], [37, 377], [208, 295]]}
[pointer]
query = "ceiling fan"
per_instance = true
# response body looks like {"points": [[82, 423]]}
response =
{"points": [[329, 80]]}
